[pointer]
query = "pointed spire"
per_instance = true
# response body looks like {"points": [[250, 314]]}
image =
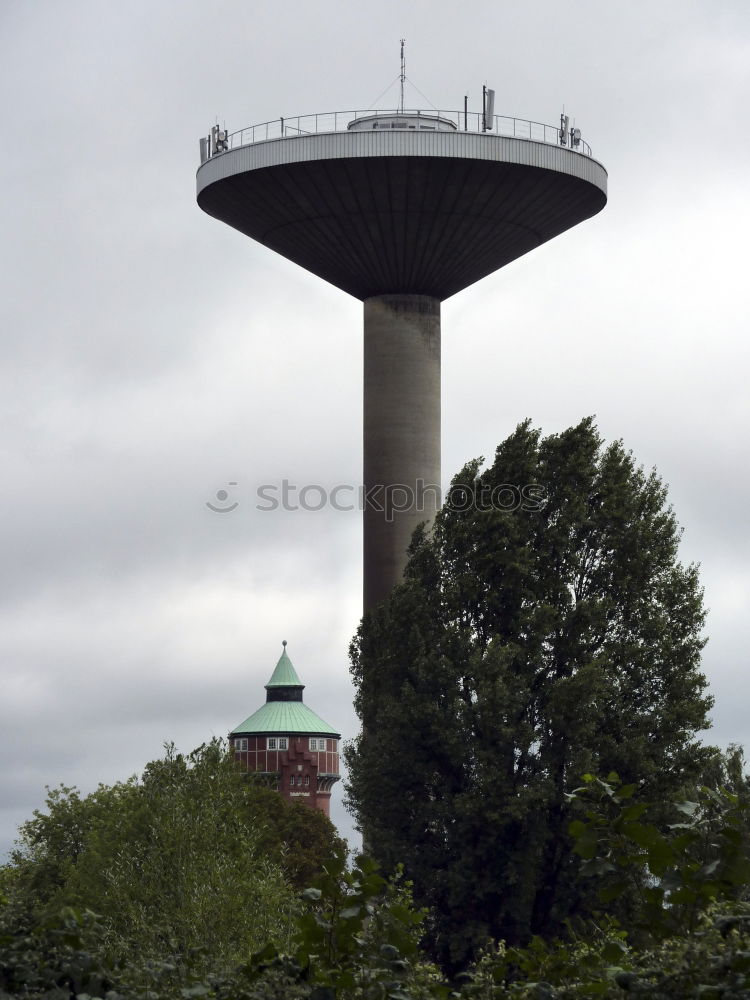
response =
{"points": [[284, 684], [284, 712]]}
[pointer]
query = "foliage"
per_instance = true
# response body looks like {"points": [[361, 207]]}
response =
{"points": [[356, 935], [49, 959], [361, 938], [712, 961], [294, 836], [355, 938], [676, 873], [527, 645], [692, 935], [192, 860]]}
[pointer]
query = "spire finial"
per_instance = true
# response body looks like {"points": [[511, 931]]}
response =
{"points": [[283, 643]]}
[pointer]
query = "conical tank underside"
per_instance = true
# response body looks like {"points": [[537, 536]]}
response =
{"points": [[379, 213]]}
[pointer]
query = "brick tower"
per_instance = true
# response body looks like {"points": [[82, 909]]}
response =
{"points": [[288, 743]]}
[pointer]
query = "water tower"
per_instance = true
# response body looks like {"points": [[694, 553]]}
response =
{"points": [[286, 744], [400, 209]]}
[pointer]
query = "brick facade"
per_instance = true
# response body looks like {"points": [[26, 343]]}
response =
{"points": [[298, 773]]}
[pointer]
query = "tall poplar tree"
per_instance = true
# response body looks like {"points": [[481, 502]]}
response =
{"points": [[545, 628]]}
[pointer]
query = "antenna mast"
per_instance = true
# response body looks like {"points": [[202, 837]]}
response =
{"points": [[403, 75]]}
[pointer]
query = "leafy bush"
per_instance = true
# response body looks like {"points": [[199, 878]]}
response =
{"points": [[676, 873], [193, 859], [356, 936]]}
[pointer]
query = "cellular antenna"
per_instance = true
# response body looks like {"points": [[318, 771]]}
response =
{"points": [[403, 75], [488, 109]]}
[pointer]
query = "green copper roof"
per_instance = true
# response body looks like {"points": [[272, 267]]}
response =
{"points": [[284, 717], [284, 674], [284, 711]]}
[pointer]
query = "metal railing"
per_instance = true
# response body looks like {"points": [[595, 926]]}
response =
{"points": [[338, 121]]}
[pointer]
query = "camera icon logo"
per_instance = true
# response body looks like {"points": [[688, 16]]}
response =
{"points": [[222, 496]]}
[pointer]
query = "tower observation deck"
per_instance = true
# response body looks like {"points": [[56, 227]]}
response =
{"points": [[401, 209]]}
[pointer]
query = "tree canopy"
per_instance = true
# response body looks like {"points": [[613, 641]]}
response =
{"points": [[193, 855], [545, 628], [356, 935]]}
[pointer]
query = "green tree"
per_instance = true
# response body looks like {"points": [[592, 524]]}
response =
{"points": [[193, 858], [545, 628], [51, 844], [355, 937], [296, 837]]}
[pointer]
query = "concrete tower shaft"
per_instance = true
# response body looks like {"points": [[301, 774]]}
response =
{"points": [[401, 432]]}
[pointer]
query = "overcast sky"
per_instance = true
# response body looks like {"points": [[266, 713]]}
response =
{"points": [[152, 356]]}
